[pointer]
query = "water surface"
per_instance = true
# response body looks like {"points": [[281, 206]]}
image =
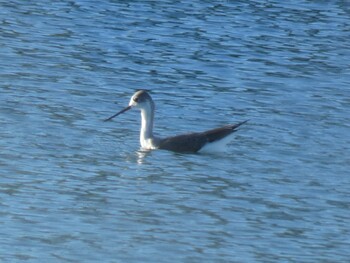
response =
{"points": [[76, 189]]}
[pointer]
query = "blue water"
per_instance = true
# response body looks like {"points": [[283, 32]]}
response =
{"points": [[76, 189]]}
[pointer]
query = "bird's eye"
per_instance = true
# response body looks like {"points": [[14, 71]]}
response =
{"points": [[136, 99]]}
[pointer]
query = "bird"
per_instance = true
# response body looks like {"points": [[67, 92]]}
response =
{"points": [[207, 141]]}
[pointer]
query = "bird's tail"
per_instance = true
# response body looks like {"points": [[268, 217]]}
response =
{"points": [[219, 133]]}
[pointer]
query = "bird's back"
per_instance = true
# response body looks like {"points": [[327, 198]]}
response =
{"points": [[193, 142]]}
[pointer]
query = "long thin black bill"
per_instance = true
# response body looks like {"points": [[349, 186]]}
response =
{"points": [[115, 115]]}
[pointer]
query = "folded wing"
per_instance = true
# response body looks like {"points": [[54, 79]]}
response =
{"points": [[193, 142]]}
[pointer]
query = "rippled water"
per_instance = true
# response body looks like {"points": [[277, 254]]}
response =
{"points": [[76, 189]]}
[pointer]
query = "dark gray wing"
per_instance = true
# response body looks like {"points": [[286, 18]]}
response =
{"points": [[219, 133], [193, 142]]}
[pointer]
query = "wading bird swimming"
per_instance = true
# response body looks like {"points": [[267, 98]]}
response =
{"points": [[207, 141]]}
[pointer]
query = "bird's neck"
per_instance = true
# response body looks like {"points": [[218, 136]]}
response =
{"points": [[147, 117]]}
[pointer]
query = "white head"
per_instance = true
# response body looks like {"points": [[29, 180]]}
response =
{"points": [[141, 100]]}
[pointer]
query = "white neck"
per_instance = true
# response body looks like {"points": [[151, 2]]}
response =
{"points": [[146, 134]]}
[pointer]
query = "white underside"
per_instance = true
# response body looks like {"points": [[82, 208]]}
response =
{"points": [[217, 146], [147, 144]]}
